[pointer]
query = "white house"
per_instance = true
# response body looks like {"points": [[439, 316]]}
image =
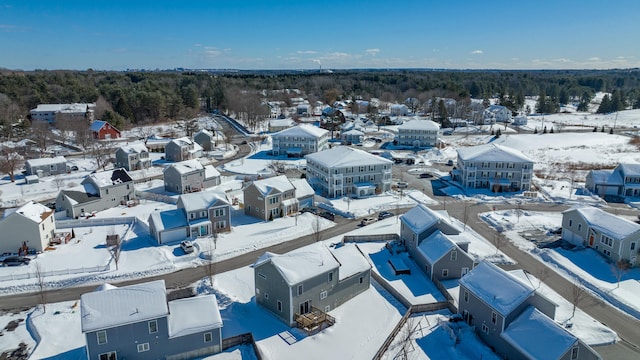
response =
{"points": [[46, 166], [418, 133], [345, 171], [492, 166], [299, 140], [352, 136], [497, 113], [399, 110], [32, 224], [276, 125], [50, 112]]}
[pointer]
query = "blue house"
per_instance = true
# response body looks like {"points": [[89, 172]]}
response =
{"points": [[137, 322]]}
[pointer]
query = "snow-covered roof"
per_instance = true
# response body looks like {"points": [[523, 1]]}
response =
{"points": [[134, 148], [187, 166], [419, 125], [183, 141], [168, 219], [608, 177], [353, 132], [351, 260], [436, 246], [603, 221], [281, 122], [109, 307], [420, 218], [46, 161], [33, 211], [110, 177], [201, 200], [193, 315], [205, 132], [536, 336], [482, 280], [341, 156], [280, 183], [302, 130], [63, 107], [301, 264], [96, 125], [492, 153], [630, 169], [210, 172], [303, 189]]}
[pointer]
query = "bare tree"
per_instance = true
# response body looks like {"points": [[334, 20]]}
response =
{"points": [[519, 211], [619, 268], [578, 295], [83, 137], [210, 266], [187, 122], [406, 339], [9, 115], [100, 150], [59, 181], [67, 128], [278, 166], [10, 161], [42, 286], [41, 135], [316, 229], [144, 133], [498, 240], [465, 214], [542, 274]]}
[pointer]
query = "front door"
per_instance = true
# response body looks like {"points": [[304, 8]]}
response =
{"points": [[591, 239], [305, 307]]}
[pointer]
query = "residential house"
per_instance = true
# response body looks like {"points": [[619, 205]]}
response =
{"points": [[513, 318], [103, 130], [46, 166], [207, 212], [299, 140], [137, 322], [276, 125], [206, 139], [497, 113], [133, 157], [435, 243], [313, 279], [52, 112], [345, 171], [182, 149], [32, 224], [612, 236], [304, 110], [304, 193], [520, 120], [270, 198], [98, 191], [418, 133], [624, 180], [168, 226], [399, 110], [352, 136], [495, 167], [189, 176]]}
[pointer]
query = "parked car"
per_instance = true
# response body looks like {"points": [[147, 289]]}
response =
{"points": [[368, 220], [402, 184], [312, 210], [74, 168], [385, 214], [15, 261], [187, 246], [425, 176], [450, 162], [328, 215]]}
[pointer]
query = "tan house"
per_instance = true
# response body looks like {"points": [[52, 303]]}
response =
{"points": [[270, 198], [31, 224]]}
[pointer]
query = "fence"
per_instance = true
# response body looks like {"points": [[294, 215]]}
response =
{"points": [[124, 220], [156, 197], [29, 275], [369, 238]]}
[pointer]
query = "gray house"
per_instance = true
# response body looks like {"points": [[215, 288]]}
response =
{"points": [[270, 198], [206, 139], [189, 176], [436, 244], [612, 236], [513, 319], [182, 149], [309, 280], [46, 166], [168, 226], [133, 157], [98, 191], [137, 322], [624, 180]]}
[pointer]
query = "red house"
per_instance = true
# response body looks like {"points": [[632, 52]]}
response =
{"points": [[104, 130]]}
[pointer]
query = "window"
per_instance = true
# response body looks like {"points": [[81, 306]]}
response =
{"points": [[633, 246], [221, 224], [331, 275], [279, 304], [219, 212], [454, 255], [323, 295], [445, 272], [494, 317], [327, 308], [266, 295], [485, 329], [143, 347], [570, 223], [361, 279], [111, 355], [574, 353], [102, 337], [208, 337], [153, 326], [466, 296], [299, 289], [262, 275]]}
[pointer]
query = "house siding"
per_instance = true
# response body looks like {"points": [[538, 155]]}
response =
{"points": [[204, 140], [341, 181], [132, 161], [277, 288], [179, 183], [124, 339], [46, 169], [16, 229], [487, 174]]}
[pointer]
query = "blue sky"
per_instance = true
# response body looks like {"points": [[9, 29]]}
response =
{"points": [[243, 34]]}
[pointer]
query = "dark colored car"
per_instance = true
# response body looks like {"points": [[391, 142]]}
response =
{"points": [[385, 214], [312, 210], [328, 215], [425, 176], [15, 261]]}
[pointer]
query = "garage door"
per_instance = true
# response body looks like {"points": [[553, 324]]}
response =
{"points": [[173, 235]]}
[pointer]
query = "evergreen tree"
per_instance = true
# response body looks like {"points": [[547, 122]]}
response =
{"points": [[605, 105], [563, 97], [611, 131], [545, 130], [595, 129]]}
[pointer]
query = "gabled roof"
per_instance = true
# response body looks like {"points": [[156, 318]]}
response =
{"points": [[168, 219], [352, 261], [302, 130], [419, 125], [183, 141], [342, 156], [210, 172], [110, 307], [96, 125], [536, 336], [608, 177], [436, 246], [33, 211], [629, 169], [46, 161], [282, 122], [510, 293], [353, 132], [280, 183], [134, 148], [193, 315], [491, 153], [303, 188], [185, 167], [81, 194], [201, 200], [420, 218], [605, 222], [204, 132], [110, 177], [301, 264]]}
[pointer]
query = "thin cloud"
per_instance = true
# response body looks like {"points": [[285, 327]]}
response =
{"points": [[306, 52], [477, 52], [372, 52], [595, 58]]}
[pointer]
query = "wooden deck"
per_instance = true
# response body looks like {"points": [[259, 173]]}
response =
{"points": [[314, 321]]}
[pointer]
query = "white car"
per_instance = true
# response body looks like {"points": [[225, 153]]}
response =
{"points": [[402, 185], [187, 246], [367, 221]]}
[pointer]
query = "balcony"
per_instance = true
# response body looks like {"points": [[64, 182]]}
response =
{"points": [[314, 321]]}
